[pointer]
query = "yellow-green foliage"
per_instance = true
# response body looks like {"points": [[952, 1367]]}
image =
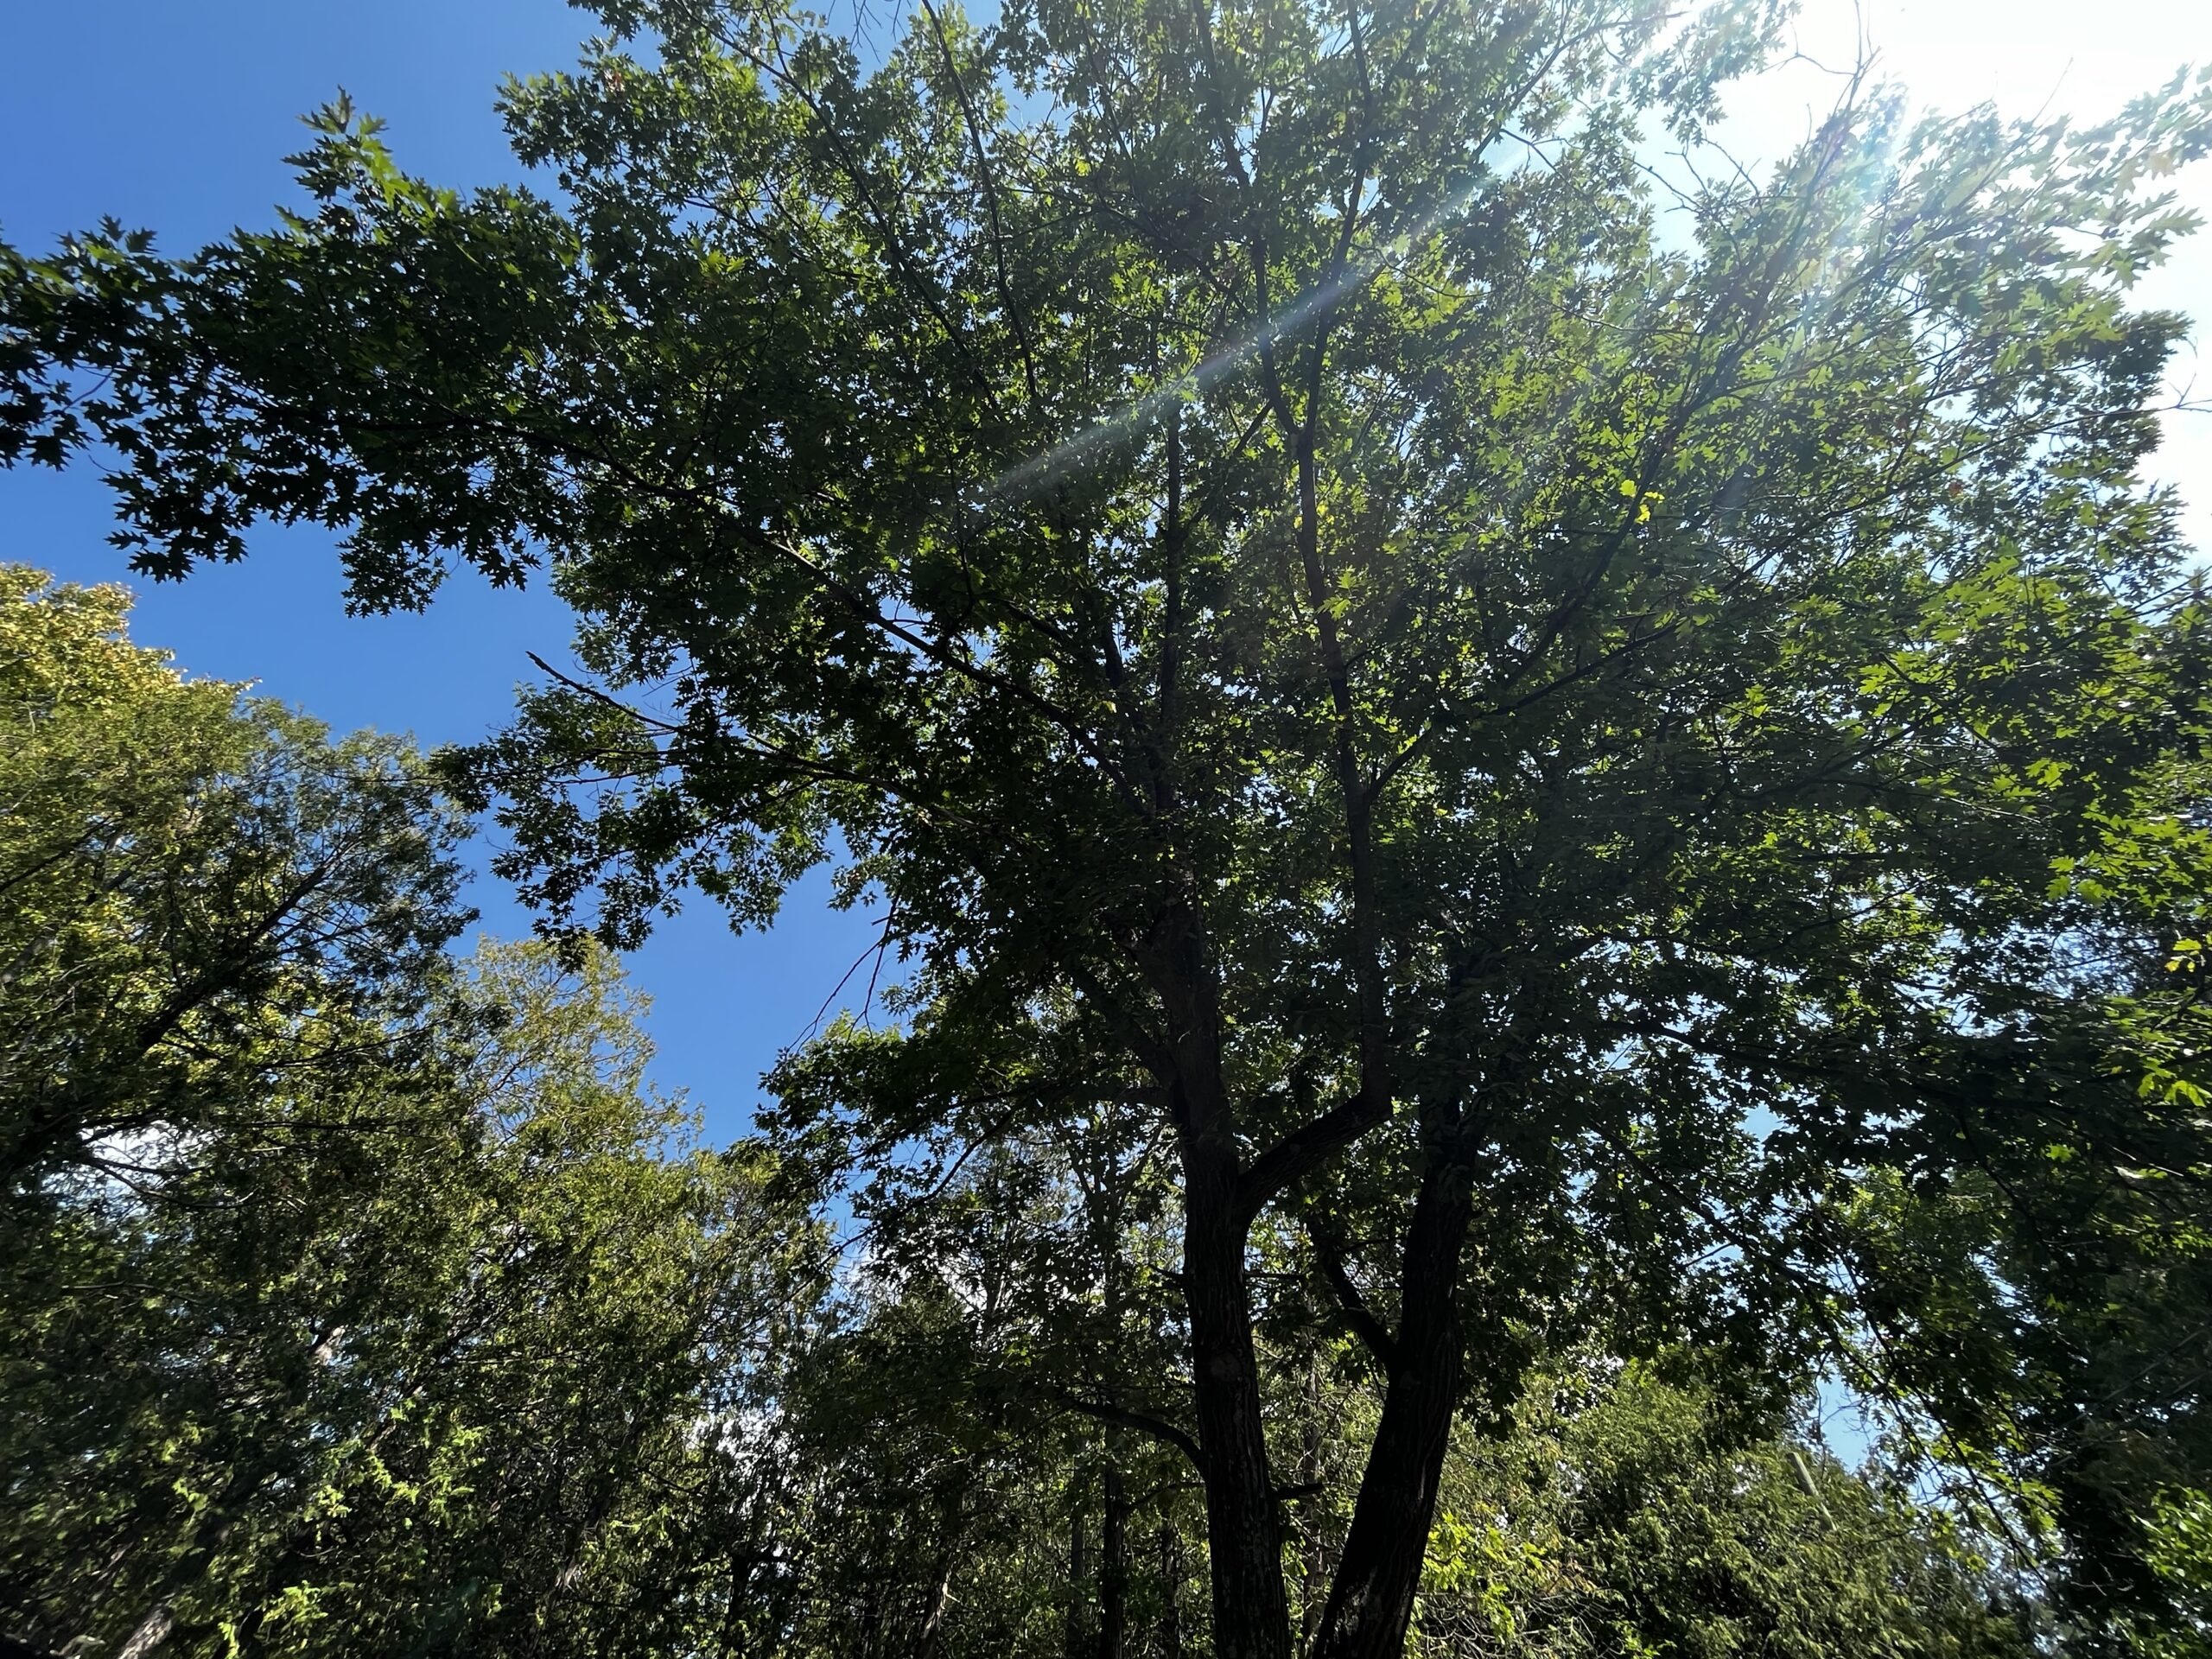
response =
{"points": [[1628, 1516], [107, 756]]}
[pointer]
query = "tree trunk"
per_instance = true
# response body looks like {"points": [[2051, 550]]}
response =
{"points": [[1078, 1570], [1170, 1641], [952, 1515], [925, 1645], [1114, 1561], [1371, 1599], [1313, 1593], [1251, 1614]]}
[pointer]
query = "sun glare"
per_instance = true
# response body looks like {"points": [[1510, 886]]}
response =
{"points": [[2050, 58]]}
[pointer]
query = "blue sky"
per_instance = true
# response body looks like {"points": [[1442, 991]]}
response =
{"points": [[176, 116]]}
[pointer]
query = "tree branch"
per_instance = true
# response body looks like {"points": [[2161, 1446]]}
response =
{"points": [[1306, 1148], [1104, 1412], [1365, 1326], [991, 206]]}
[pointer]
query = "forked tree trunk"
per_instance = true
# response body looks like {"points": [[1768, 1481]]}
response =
{"points": [[1371, 1598], [1251, 1612], [1371, 1593]]}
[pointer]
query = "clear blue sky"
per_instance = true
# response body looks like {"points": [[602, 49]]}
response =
{"points": [[176, 116]]}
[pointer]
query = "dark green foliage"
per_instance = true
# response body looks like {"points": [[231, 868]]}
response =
{"points": [[442, 1341]]}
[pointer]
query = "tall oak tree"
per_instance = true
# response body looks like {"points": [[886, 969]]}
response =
{"points": [[1556, 730]]}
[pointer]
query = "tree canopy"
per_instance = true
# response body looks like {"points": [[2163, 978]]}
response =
{"points": [[451, 1341], [372, 1304], [198, 890], [1538, 755]]}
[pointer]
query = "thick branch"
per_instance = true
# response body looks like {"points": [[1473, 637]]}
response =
{"points": [[1365, 1326], [1306, 1148], [1104, 1412]]}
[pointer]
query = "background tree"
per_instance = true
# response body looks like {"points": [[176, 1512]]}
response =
{"points": [[2181, 1553], [373, 1306], [1632, 1511], [199, 890], [1555, 759]]}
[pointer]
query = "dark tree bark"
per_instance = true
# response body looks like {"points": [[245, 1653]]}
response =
{"points": [[1079, 1571], [1168, 1634], [1371, 1598], [1114, 1561], [1251, 1611]]}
